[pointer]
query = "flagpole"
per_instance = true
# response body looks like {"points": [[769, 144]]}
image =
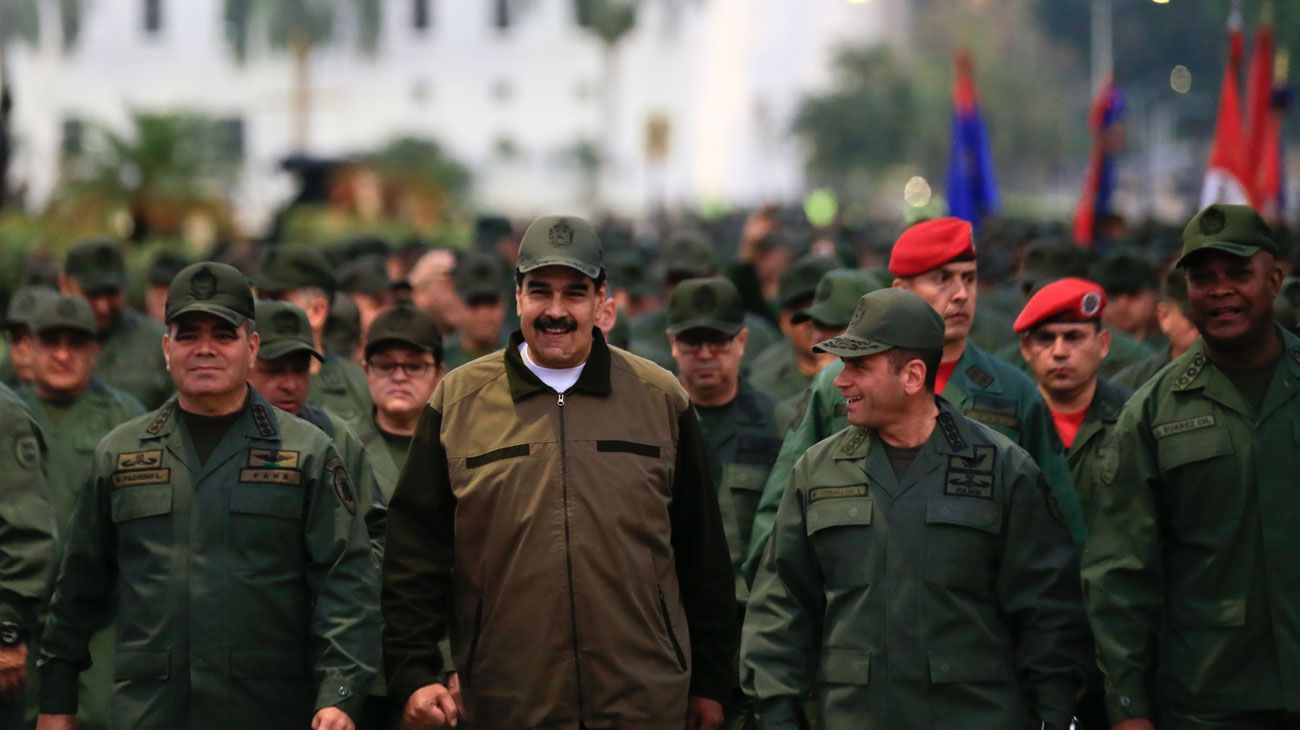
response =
{"points": [[1103, 45]]}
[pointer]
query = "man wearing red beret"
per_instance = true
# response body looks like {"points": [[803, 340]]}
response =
{"points": [[936, 260]]}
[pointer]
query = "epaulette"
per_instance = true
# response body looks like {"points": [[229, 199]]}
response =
{"points": [[950, 432], [159, 419], [263, 422], [1198, 364], [854, 441]]}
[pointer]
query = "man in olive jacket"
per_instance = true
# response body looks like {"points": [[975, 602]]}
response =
{"points": [[1190, 573], [229, 537], [556, 513], [915, 576]]}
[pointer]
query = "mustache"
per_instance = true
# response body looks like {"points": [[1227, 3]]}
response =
{"points": [[564, 324]]}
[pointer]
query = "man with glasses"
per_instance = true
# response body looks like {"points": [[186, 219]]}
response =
{"points": [[403, 366]]}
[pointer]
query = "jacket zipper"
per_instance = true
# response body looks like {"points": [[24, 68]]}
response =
{"points": [[568, 555], [668, 626]]}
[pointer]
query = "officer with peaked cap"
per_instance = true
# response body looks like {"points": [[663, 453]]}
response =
{"points": [[226, 535], [914, 576], [1190, 577]]}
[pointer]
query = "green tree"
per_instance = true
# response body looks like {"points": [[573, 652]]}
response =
{"points": [[299, 27], [422, 162]]}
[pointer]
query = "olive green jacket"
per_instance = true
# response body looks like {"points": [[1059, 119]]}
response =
{"points": [[570, 543], [131, 359], [1107, 402], [340, 387], [1135, 375], [245, 589], [982, 387], [1190, 575], [775, 372], [27, 523], [945, 599]]}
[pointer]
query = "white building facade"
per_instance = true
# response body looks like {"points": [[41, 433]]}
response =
{"points": [[704, 94]]}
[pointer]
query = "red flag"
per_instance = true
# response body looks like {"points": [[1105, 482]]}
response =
{"points": [[1226, 179], [1099, 180], [1261, 122]]}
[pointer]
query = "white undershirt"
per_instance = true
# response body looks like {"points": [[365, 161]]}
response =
{"points": [[559, 380]]}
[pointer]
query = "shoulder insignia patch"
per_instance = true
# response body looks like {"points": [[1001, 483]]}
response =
{"points": [[1108, 457], [951, 432], [971, 476], [979, 376], [1295, 354], [159, 419], [273, 459], [263, 422], [132, 460], [1187, 424], [141, 477], [854, 441], [820, 493], [338, 476], [27, 451], [1198, 363], [800, 410]]}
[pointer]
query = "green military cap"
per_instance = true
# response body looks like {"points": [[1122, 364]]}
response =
{"points": [[62, 312], [491, 227], [1050, 259], [885, 319], [407, 325], [165, 265], [837, 296], [365, 245], [365, 275], [711, 303], [210, 288], [481, 276], [689, 254], [1235, 229], [284, 330], [800, 280], [1124, 269], [98, 265], [629, 271], [24, 302], [561, 240], [288, 266]]}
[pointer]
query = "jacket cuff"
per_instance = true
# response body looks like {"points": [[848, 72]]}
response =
{"points": [[1055, 702], [58, 687], [339, 692], [778, 713], [1125, 703], [715, 685]]}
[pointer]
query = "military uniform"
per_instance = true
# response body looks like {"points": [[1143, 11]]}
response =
{"points": [[27, 535], [774, 370], [131, 359], [340, 387], [17, 322], [1135, 374]]}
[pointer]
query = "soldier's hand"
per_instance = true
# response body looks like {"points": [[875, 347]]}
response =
{"points": [[703, 713], [331, 718], [1134, 723], [758, 226], [433, 706], [57, 722], [13, 670]]}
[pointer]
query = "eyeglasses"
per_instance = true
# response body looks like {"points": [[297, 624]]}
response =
{"points": [[411, 369], [692, 345]]}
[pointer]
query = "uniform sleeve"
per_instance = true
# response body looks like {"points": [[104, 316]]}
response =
{"points": [[1123, 573], [816, 409], [1037, 437], [418, 560], [703, 566], [343, 581], [1038, 589], [26, 525], [82, 592], [371, 493], [782, 632]]}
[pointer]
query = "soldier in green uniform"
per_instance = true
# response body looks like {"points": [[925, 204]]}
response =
{"points": [[17, 366], [784, 369], [482, 281], [403, 366], [227, 535], [935, 259], [130, 349], [302, 275], [1132, 284], [1189, 575], [1175, 325], [27, 534], [75, 411], [916, 575], [364, 280]]}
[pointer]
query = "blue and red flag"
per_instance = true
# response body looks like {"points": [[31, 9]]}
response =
{"points": [[1099, 182], [1227, 178], [972, 187]]}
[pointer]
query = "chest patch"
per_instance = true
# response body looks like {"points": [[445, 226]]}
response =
{"points": [[291, 477], [994, 412], [140, 477], [135, 460], [820, 493], [1183, 426], [273, 459], [971, 476]]}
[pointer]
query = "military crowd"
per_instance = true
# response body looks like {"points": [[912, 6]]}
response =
{"points": [[743, 474]]}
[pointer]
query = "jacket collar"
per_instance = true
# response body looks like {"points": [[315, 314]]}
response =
{"points": [[594, 380], [951, 435], [1197, 372]]}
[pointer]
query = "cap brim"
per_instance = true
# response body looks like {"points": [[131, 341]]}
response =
{"points": [[66, 326], [421, 346], [1236, 249], [820, 315], [98, 284], [586, 269], [280, 348], [850, 346], [731, 329], [216, 310]]}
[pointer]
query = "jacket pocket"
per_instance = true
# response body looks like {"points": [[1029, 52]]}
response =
{"points": [[844, 666], [953, 667], [839, 529], [131, 664], [133, 503], [629, 447], [668, 628], [962, 541], [1181, 449], [505, 452], [247, 663], [268, 500]]}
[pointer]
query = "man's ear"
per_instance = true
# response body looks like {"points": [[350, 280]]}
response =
{"points": [[914, 377], [1104, 338]]}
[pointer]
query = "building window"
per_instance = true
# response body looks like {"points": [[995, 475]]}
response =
{"points": [[421, 14], [153, 20], [501, 15], [73, 141]]}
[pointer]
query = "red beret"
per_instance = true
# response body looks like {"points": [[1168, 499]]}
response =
{"points": [[931, 244], [1072, 299]]}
